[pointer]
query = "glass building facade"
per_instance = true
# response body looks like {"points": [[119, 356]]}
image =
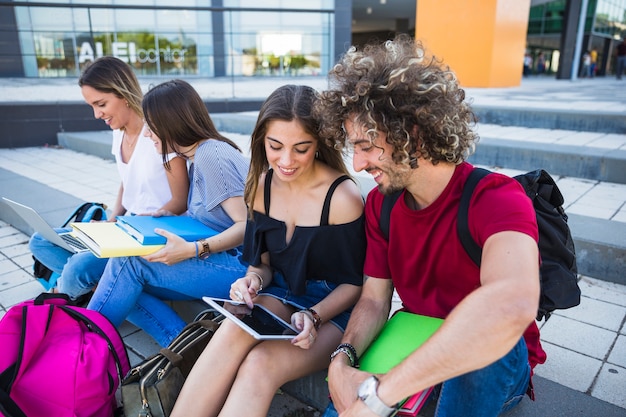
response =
{"points": [[208, 38], [604, 28]]}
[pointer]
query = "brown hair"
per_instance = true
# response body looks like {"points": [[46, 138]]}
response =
{"points": [[288, 102], [112, 75], [175, 112], [395, 89]]}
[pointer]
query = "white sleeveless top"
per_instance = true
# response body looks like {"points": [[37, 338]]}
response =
{"points": [[144, 179]]}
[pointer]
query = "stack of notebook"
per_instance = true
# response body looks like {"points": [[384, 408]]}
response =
{"points": [[135, 235]]}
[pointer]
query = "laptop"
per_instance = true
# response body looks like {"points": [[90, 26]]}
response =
{"points": [[259, 322], [38, 224]]}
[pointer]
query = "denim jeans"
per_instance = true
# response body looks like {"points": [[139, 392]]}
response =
{"points": [[135, 289], [79, 272], [486, 392], [315, 292]]}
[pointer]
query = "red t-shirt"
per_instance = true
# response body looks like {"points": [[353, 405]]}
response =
{"points": [[431, 270]]}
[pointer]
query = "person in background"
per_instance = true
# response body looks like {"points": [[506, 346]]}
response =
{"points": [[621, 59], [136, 287], [585, 71], [594, 62], [541, 63], [110, 87], [305, 243], [404, 115], [528, 64]]}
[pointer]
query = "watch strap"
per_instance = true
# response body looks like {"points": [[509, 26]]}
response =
{"points": [[374, 403]]}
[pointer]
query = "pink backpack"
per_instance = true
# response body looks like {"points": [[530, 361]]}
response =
{"points": [[59, 360]]}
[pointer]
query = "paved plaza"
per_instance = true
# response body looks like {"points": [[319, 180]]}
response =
{"points": [[586, 345]]}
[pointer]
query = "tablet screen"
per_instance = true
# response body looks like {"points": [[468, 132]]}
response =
{"points": [[259, 322]]}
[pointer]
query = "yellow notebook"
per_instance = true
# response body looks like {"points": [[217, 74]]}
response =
{"points": [[106, 240]]}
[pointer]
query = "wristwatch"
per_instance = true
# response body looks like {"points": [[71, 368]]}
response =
{"points": [[206, 249], [367, 394]]}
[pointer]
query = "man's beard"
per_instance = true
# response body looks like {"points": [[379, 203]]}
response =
{"points": [[389, 189], [395, 182]]}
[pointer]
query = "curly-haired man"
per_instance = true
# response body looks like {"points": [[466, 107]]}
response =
{"points": [[404, 117]]}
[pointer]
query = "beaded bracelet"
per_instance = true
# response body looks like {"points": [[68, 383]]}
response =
{"points": [[352, 352], [317, 320]]}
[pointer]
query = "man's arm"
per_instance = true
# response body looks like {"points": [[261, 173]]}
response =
{"points": [[480, 330], [367, 318]]}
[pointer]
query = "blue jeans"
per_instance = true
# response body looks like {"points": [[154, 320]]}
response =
{"points": [[486, 392], [315, 292], [79, 272], [134, 289]]}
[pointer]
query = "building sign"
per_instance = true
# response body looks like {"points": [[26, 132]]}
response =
{"points": [[128, 52]]}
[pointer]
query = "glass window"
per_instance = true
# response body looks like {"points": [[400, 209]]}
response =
{"points": [[282, 4], [102, 20], [183, 20], [51, 18], [22, 18], [60, 41], [135, 20], [55, 53], [80, 18]]}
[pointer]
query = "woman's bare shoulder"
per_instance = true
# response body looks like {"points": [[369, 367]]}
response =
{"points": [[346, 204]]}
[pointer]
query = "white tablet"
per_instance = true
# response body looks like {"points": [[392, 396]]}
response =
{"points": [[260, 322]]}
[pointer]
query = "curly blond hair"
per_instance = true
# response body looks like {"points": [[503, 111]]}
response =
{"points": [[394, 88]]}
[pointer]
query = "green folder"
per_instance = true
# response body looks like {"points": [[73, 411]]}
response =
{"points": [[402, 334], [399, 337]]}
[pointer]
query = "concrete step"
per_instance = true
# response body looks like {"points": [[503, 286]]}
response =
{"points": [[600, 243], [523, 115], [595, 156], [553, 398], [590, 105], [592, 155]]}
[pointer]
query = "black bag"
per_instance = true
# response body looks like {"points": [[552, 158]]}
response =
{"points": [[152, 387], [83, 213], [559, 272]]}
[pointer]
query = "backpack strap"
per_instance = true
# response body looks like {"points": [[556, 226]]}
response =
{"points": [[8, 407], [95, 211], [462, 225], [385, 212]]}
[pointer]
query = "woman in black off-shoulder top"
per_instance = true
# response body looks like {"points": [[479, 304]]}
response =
{"points": [[305, 243]]}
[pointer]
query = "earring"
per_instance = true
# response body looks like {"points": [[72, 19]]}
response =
{"points": [[317, 154], [127, 105]]}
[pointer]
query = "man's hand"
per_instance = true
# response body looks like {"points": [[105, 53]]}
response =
{"points": [[358, 409], [343, 382]]}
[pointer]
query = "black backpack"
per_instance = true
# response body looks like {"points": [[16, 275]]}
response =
{"points": [[83, 213], [559, 272]]}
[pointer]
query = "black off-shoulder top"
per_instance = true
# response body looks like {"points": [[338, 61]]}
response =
{"points": [[333, 253]]}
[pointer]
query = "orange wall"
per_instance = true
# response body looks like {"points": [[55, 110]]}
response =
{"points": [[483, 41]]}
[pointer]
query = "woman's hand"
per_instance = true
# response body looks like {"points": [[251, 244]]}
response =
{"points": [[176, 249], [159, 213], [303, 322], [245, 289]]}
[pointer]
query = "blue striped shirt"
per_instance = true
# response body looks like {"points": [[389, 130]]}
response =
{"points": [[218, 173]]}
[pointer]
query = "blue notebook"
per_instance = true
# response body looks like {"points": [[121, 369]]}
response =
{"points": [[142, 228]]}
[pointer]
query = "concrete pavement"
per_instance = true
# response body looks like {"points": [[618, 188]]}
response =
{"points": [[586, 370]]}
